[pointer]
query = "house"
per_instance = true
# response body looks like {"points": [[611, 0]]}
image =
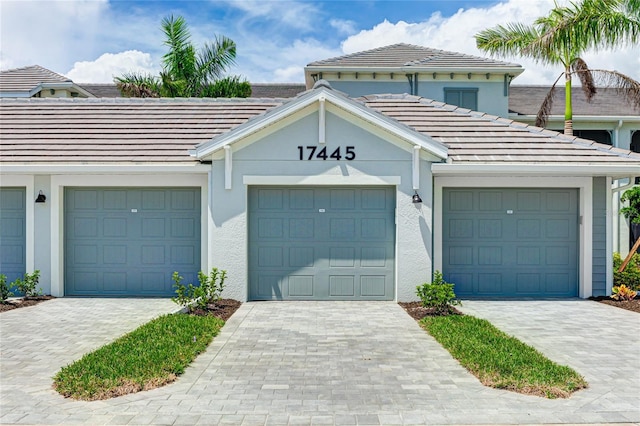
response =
{"points": [[38, 82], [318, 197]]}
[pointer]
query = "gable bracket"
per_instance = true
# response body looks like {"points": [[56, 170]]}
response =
{"points": [[322, 120], [228, 166]]}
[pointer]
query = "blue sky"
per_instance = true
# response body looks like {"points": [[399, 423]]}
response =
{"points": [[93, 40]]}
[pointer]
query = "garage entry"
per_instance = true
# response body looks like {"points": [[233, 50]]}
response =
{"points": [[128, 241], [510, 243], [12, 233], [321, 243]]}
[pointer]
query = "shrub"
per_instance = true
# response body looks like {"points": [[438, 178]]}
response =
{"points": [[27, 286], [632, 211], [438, 295], [630, 277], [623, 293], [209, 290], [5, 292]]}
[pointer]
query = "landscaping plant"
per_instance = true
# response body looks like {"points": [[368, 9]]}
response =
{"points": [[623, 292], [27, 286], [438, 295], [632, 211], [630, 277], [5, 291], [209, 291]]}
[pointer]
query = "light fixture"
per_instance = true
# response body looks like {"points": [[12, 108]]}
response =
{"points": [[41, 197], [416, 198]]}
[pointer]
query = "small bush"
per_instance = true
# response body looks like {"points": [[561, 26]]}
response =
{"points": [[438, 295], [209, 290], [28, 285], [623, 293], [630, 277], [5, 291]]}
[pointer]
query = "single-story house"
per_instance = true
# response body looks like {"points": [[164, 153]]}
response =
{"points": [[317, 197]]}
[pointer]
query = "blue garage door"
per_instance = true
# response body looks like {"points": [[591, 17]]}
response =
{"points": [[310, 243], [509, 243], [128, 242], [12, 232]]}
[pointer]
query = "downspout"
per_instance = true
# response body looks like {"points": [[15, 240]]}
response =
{"points": [[415, 84], [410, 78], [616, 134]]}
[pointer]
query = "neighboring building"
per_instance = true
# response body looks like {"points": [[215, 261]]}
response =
{"points": [[38, 82], [472, 82], [308, 199]]}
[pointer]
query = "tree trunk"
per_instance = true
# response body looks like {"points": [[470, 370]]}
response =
{"points": [[568, 109]]}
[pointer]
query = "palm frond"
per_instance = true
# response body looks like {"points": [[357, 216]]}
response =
{"points": [[625, 86], [214, 58], [132, 85], [512, 39], [547, 104], [581, 69]]}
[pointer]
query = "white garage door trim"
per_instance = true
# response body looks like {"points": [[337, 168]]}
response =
{"points": [[58, 183], [585, 195]]}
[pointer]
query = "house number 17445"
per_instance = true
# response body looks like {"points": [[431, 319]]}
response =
{"points": [[322, 153]]}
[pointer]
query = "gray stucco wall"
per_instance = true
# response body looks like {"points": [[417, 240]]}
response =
{"points": [[277, 155], [599, 236]]}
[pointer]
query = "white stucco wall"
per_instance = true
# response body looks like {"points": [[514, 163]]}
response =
{"points": [[274, 160]]}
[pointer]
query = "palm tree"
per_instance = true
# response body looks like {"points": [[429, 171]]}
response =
{"points": [[187, 72], [562, 37]]}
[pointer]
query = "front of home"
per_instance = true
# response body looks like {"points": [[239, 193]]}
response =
{"points": [[321, 197]]}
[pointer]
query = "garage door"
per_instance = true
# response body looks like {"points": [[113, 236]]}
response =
{"points": [[511, 242], [128, 242], [12, 233], [310, 243]]}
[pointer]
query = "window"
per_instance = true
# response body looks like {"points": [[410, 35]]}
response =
{"points": [[462, 97], [600, 136], [635, 147]]}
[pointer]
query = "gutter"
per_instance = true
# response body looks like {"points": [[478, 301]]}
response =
{"points": [[514, 169]]}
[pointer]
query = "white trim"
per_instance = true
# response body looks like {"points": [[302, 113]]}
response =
{"points": [[228, 166], [323, 180], [58, 184], [104, 168], [610, 235], [322, 122], [579, 118], [585, 203], [529, 169], [416, 167], [26, 182]]}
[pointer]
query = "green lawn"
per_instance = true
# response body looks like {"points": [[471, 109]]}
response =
{"points": [[150, 356], [499, 360]]}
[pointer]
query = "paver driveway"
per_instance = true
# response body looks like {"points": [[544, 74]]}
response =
{"points": [[323, 363]]}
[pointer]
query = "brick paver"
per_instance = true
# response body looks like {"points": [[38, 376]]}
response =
{"points": [[336, 363]]}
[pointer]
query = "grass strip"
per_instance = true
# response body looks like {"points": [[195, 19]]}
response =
{"points": [[152, 355], [502, 361]]}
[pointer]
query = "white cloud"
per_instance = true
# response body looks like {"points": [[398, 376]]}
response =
{"points": [[343, 26], [456, 33], [109, 65], [294, 14]]}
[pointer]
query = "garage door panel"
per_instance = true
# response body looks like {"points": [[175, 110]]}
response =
{"points": [[524, 249], [130, 240], [327, 244]]}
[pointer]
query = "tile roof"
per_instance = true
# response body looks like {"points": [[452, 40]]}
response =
{"points": [[132, 131], [526, 100], [475, 137], [408, 55], [276, 90], [101, 90], [27, 78], [116, 130]]}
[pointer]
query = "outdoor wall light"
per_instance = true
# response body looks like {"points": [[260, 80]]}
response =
{"points": [[416, 198], [41, 197]]}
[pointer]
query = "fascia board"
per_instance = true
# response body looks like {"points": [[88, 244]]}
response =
{"points": [[21, 94], [415, 68], [286, 110], [104, 168], [515, 169], [577, 117]]}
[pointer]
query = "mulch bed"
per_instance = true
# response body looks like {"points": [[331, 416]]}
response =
{"points": [[23, 302], [417, 311], [629, 305], [222, 309]]}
